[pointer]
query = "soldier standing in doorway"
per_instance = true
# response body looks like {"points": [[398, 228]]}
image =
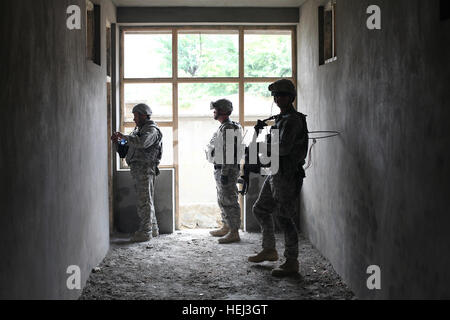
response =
{"points": [[226, 174], [143, 155]]}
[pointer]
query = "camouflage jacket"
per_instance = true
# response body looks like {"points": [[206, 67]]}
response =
{"points": [[219, 140], [145, 145], [293, 141]]}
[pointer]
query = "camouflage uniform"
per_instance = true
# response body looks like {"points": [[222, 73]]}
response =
{"points": [[227, 194], [144, 154], [144, 184], [279, 194]]}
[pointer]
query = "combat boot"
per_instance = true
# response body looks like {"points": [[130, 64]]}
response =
{"points": [[289, 268], [141, 237], [221, 232], [265, 255], [232, 236], [155, 231]]}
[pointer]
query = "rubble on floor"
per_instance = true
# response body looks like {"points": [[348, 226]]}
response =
{"points": [[191, 265]]}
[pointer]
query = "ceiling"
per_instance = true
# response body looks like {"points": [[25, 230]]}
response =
{"points": [[208, 3]]}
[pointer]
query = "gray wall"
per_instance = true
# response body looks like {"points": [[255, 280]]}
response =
{"points": [[379, 193], [53, 164], [126, 219]]}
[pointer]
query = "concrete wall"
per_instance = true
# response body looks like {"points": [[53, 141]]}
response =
{"points": [[378, 195], [126, 219], [53, 164]]}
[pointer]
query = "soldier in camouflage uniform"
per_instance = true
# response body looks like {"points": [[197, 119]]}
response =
{"points": [[279, 194], [226, 174], [143, 157]]}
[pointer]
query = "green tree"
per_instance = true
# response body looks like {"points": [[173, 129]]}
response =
{"points": [[210, 55]]}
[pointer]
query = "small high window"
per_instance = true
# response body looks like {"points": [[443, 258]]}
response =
{"points": [[108, 49], [93, 38], [445, 10], [327, 33]]}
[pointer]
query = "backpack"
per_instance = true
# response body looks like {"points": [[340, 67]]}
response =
{"points": [[158, 145]]}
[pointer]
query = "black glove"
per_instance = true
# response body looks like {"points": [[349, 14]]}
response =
{"points": [[224, 179], [259, 126]]}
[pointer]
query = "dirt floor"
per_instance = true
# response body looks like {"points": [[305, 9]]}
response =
{"points": [[191, 265]]}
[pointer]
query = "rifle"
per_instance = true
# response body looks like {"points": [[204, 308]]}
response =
{"points": [[248, 167]]}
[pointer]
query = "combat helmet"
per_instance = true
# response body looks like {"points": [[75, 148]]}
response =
{"points": [[223, 106], [144, 109], [283, 86]]}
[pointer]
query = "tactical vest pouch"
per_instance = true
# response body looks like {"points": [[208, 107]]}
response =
{"points": [[158, 148]]}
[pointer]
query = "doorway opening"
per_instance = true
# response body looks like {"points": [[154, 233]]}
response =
{"points": [[179, 71], [197, 187]]}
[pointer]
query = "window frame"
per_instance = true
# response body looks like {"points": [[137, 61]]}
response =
{"points": [[93, 32], [330, 6], [175, 80]]}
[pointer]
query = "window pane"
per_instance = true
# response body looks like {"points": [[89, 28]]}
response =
{"points": [[195, 98], [167, 157], [148, 55], [258, 102], [157, 95], [208, 55], [268, 55]]}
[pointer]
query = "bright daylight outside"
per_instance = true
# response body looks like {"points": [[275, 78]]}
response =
{"points": [[208, 70]]}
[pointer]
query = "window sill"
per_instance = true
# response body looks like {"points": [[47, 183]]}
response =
{"points": [[163, 168], [330, 60]]}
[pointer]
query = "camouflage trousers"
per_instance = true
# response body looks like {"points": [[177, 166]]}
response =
{"points": [[228, 199], [278, 199], [144, 183]]}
